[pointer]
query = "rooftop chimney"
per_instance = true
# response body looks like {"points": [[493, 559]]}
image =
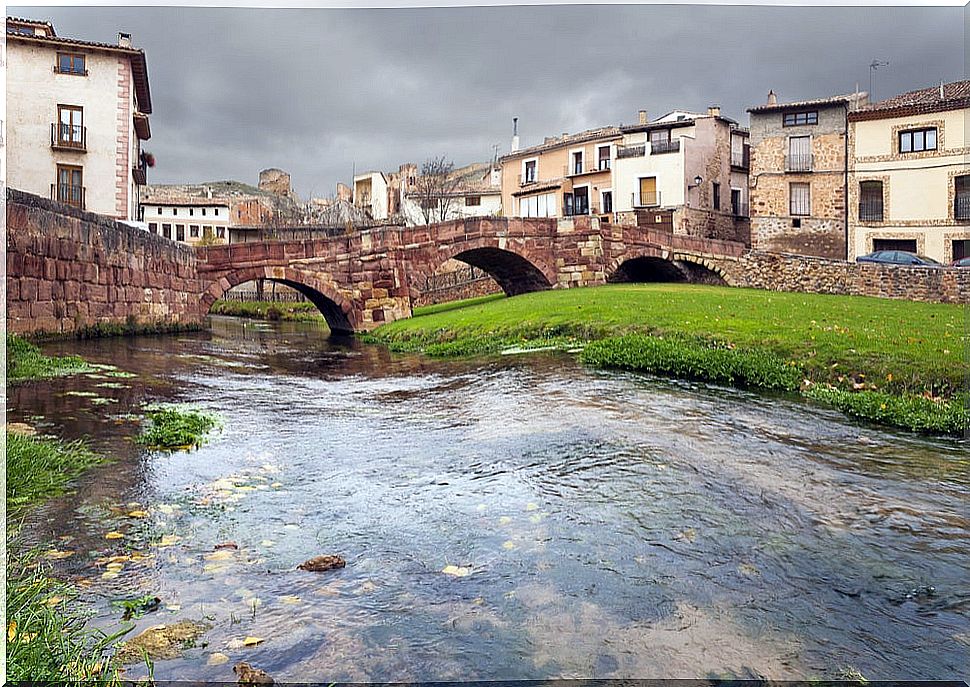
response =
{"points": [[643, 117], [124, 39], [772, 98], [714, 111], [515, 134]]}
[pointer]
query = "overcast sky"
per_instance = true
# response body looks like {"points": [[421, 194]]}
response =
{"points": [[320, 91]]}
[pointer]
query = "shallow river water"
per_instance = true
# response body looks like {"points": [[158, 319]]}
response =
{"points": [[611, 524]]}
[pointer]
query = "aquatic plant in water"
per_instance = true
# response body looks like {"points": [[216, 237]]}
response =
{"points": [[172, 427]]}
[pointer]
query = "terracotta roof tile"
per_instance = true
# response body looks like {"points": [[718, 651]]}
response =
{"points": [[829, 100], [570, 139], [956, 95]]}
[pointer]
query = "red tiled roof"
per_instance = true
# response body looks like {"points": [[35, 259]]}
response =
{"points": [[570, 139], [829, 100], [956, 96]]}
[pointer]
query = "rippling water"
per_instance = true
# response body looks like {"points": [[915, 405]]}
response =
{"points": [[613, 525]]}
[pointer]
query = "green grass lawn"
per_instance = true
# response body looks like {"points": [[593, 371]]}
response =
{"points": [[868, 346], [265, 310]]}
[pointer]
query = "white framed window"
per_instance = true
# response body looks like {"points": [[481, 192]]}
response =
{"points": [[604, 157], [577, 160], [542, 205], [530, 170], [606, 200]]}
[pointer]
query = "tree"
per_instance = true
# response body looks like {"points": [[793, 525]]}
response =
{"points": [[436, 189]]}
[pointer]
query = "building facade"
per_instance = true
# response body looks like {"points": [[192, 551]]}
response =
{"points": [[909, 177], [798, 175], [686, 173], [77, 112], [195, 221], [562, 176]]}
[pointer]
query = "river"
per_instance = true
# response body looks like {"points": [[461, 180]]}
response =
{"points": [[610, 524]]}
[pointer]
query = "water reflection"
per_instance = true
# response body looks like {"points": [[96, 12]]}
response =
{"points": [[611, 525]]}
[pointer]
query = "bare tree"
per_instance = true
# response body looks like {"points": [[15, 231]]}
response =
{"points": [[436, 189]]}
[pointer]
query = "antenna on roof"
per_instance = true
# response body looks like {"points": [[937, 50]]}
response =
{"points": [[873, 66]]}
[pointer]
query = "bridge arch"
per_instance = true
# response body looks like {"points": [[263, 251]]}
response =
{"points": [[514, 267], [654, 265], [341, 315]]}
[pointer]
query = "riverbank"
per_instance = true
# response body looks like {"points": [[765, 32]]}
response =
{"points": [[265, 310], [893, 362]]}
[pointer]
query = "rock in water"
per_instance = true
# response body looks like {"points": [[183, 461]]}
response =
{"points": [[161, 642], [322, 563], [249, 675]]}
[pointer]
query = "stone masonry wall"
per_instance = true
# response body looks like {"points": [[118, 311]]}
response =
{"points": [[69, 270]]}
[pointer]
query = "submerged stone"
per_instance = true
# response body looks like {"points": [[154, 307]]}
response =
{"points": [[322, 563], [248, 675], [161, 642]]}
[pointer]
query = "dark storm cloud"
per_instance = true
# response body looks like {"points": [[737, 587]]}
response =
{"points": [[318, 91]]}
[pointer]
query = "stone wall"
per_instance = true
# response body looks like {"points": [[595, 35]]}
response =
{"points": [[470, 289], [69, 271]]}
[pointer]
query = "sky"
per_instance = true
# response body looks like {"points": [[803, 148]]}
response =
{"points": [[323, 92]]}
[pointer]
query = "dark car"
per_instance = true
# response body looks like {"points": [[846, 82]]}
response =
{"points": [[961, 262], [898, 257]]}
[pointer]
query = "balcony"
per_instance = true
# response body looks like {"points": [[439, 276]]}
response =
{"points": [[69, 137], [798, 163], [623, 152], [961, 208], [870, 210], [660, 147], [525, 179], [741, 159], [68, 194], [646, 200], [575, 170]]}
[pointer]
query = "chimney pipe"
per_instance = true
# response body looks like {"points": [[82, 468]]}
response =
{"points": [[515, 134], [643, 116], [714, 111], [124, 39], [772, 98]]}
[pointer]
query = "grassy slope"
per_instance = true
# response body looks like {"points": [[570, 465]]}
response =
{"points": [[899, 345], [264, 310]]}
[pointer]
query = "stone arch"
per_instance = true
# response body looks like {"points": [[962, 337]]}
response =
{"points": [[646, 266], [703, 270], [515, 268], [340, 313]]}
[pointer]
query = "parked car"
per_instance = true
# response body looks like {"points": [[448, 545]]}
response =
{"points": [[962, 262], [898, 257]]}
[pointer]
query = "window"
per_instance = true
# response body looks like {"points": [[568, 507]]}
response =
{"points": [[221, 232], [167, 231], [908, 245], [71, 63], [961, 198], [191, 212], [153, 227], [581, 201], [543, 205], [203, 212], [737, 207], [800, 118], [917, 140], [603, 158], [799, 199], [194, 231], [607, 197], [961, 249], [578, 162], [179, 232], [70, 126], [870, 201], [70, 188], [660, 136], [648, 193], [473, 201], [799, 154], [207, 233], [529, 171], [216, 211], [175, 212], [716, 191], [159, 212]]}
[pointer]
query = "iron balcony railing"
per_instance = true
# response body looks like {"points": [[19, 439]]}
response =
{"points": [[646, 200], [69, 136], [658, 147], [741, 159], [528, 179], [66, 193], [798, 162], [592, 168], [961, 207], [870, 210], [582, 211], [623, 152]]}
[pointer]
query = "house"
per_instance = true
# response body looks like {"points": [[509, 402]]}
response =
{"points": [[684, 172], [77, 113], [471, 191], [562, 176], [909, 177], [798, 174], [371, 194], [191, 220]]}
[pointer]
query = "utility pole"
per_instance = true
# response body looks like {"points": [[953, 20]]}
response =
{"points": [[873, 66]]}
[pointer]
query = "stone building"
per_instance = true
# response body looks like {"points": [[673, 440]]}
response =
{"points": [[77, 112], [684, 172], [563, 176], [798, 175], [909, 175]]}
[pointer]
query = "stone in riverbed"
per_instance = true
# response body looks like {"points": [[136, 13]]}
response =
{"points": [[161, 642], [322, 563], [248, 675]]}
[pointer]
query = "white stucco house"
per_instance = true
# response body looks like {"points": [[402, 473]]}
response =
{"points": [[77, 112]]}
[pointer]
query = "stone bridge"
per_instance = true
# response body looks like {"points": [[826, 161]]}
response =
{"points": [[73, 272], [362, 280]]}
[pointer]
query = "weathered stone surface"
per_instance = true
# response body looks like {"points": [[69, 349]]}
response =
{"points": [[322, 563]]}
